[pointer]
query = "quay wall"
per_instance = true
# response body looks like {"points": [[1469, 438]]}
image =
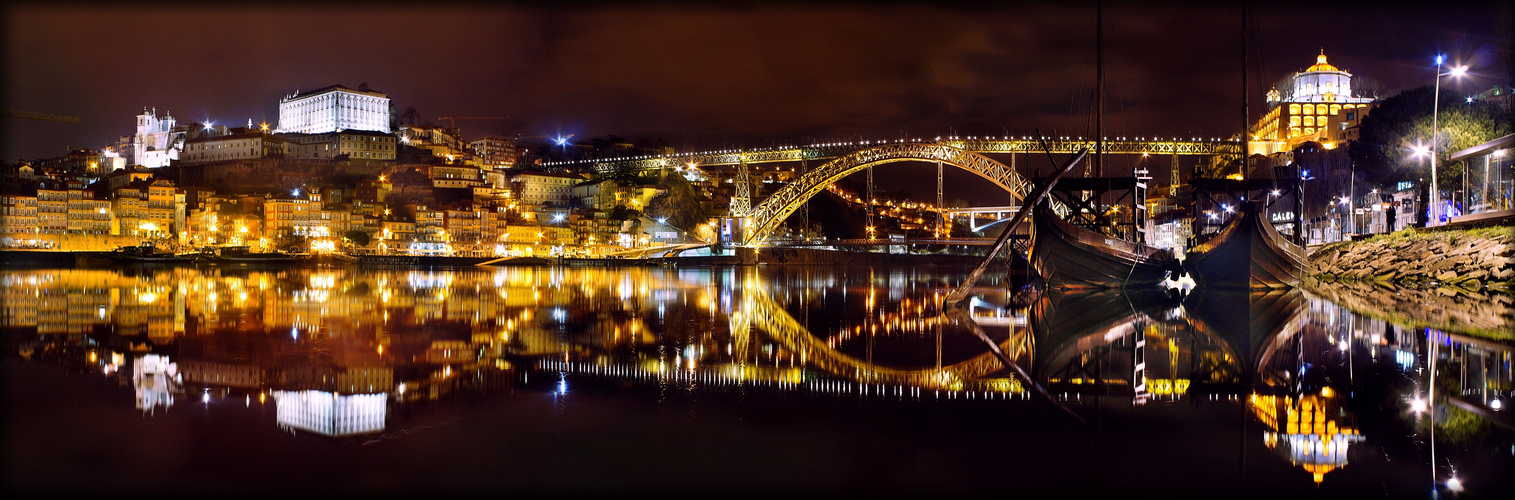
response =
{"points": [[821, 257], [1475, 259]]}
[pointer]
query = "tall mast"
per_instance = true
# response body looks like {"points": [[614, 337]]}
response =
{"points": [[1245, 125], [1099, 90]]}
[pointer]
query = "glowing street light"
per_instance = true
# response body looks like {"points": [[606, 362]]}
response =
{"points": [[1435, 96]]}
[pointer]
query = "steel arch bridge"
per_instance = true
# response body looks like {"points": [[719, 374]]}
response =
{"points": [[766, 216], [988, 145]]}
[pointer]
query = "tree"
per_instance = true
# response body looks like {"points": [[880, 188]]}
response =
{"points": [[1383, 149], [358, 238], [680, 204]]}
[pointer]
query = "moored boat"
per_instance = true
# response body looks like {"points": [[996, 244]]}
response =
{"points": [[1073, 257], [147, 253], [243, 255], [1248, 253]]}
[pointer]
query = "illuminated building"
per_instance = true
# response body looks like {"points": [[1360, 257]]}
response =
{"points": [[242, 145], [158, 141], [334, 109], [18, 212], [295, 215], [495, 152], [543, 188], [441, 142], [331, 414], [356, 144], [1319, 107]]}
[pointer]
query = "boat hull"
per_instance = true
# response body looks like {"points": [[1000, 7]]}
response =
{"points": [[1073, 257], [1247, 254]]}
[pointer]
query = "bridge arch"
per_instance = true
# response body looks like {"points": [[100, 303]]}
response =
{"points": [[766, 216]]}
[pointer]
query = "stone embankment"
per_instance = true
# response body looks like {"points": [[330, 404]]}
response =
{"points": [[1475, 259]]}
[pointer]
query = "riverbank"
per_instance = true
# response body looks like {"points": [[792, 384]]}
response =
{"points": [[1473, 259]]}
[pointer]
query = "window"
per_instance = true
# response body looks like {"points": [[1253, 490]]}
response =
{"points": [[1293, 109], [1320, 109]]}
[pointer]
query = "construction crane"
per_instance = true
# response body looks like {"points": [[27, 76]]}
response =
{"points": [[454, 121], [30, 115]]}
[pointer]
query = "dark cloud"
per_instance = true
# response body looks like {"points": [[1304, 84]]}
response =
{"points": [[701, 76]]}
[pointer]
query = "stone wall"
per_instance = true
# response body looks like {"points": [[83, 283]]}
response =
{"points": [[820, 257], [1475, 259]]}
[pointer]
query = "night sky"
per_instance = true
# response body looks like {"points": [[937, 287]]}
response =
{"points": [[715, 75]]}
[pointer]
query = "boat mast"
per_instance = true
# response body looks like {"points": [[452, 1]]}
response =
{"points": [[1099, 90], [1245, 124]]}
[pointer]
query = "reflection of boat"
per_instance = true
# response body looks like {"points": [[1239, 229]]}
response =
{"points": [[1070, 256], [1253, 322], [146, 253], [421, 260], [243, 255], [329, 259], [1247, 253], [1094, 340]]}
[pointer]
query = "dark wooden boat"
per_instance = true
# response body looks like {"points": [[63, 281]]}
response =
{"points": [[146, 253], [242, 255], [1247, 254], [1069, 256]]}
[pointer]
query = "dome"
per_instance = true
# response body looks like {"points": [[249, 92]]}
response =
{"points": [[1321, 65]]}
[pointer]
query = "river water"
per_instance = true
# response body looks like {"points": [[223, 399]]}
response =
{"points": [[761, 380]]}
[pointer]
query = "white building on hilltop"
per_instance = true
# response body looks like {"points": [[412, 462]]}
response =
{"points": [[1320, 107], [336, 108], [158, 141]]}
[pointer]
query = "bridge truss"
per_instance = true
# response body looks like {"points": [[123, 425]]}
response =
{"points": [[766, 216], [1064, 145]]}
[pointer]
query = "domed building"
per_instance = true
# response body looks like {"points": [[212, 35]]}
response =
{"points": [[1319, 107]]}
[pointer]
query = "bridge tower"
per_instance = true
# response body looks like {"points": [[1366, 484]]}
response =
{"points": [[868, 203], [1173, 178], [939, 221], [741, 200]]}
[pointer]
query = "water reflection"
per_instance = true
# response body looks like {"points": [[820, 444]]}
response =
{"points": [[338, 352]]}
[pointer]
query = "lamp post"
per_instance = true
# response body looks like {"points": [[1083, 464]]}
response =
{"points": [[1426, 152], [1435, 98], [1490, 204]]}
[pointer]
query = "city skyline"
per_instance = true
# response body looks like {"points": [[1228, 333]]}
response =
{"points": [[716, 76]]}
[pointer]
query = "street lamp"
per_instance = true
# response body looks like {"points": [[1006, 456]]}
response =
{"points": [[1426, 152], [1435, 97], [1491, 205]]}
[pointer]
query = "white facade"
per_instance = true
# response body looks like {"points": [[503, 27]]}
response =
{"points": [[1321, 82], [333, 109], [157, 141]]}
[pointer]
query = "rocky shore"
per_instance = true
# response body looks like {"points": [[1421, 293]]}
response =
{"points": [[1473, 259]]}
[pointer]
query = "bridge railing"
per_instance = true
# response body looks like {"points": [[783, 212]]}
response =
{"points": [[1061, 145]]}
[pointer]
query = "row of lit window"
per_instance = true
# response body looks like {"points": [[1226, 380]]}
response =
{"points": [[1318, 109]]}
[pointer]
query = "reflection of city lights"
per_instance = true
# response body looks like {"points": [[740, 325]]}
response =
{"points": [[1418, 405]]}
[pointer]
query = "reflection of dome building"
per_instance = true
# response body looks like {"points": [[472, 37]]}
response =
{"points": [[1319, 107], [1307, 436]]}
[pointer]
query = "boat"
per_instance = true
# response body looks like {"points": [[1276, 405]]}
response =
{"points": [[1068, 256], [1248, 253], [243, 255], [328, 259], [147, 253]]}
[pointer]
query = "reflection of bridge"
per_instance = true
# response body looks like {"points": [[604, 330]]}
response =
{"points": [[847, 158]]}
